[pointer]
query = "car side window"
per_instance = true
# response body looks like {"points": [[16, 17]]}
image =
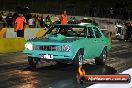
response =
{"points": [[90, 33], [97, 32]]}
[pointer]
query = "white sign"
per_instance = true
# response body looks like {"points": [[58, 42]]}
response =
{"points": [[47, 56]]}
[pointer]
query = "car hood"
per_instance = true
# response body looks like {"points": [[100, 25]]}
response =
{"points": [[56, 38]]}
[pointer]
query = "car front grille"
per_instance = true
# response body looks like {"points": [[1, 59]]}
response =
{"points": [[46, 47]]}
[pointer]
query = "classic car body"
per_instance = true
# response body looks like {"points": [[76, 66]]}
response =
{"points": [[69, 43]]}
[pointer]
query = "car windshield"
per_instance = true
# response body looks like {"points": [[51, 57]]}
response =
{"points": [[68, 31]]}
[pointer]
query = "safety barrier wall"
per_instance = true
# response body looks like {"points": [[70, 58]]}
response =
{"points": [[28, 33], [11, 44]]}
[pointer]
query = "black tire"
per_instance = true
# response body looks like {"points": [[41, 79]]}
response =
{"points": [[32, 62], [78, 60], [101, 60]]}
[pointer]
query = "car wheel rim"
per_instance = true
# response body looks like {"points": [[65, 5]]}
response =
{"points": [[80, 60], [104, 56]]}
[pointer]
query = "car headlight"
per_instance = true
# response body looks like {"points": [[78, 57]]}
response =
{"points": [[66, 48], [29, 46]]}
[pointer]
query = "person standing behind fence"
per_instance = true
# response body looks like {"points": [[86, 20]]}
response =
{"points": [[64, 18], [9, 20], [20, 24], [48, 21], [38, 18], [31, 22]]}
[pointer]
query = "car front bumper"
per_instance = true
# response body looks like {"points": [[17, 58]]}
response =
{"points": [[55, 55], [66, 60]]}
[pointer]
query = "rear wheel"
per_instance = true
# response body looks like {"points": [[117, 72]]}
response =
{"points": [[101, 60], [32, 62], [78, 60]]}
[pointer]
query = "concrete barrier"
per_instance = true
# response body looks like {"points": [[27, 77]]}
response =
{"points": [[11, 44], [28, 33]]}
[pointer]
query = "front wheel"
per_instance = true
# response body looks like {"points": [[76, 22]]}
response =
{"points": [[101, 60], [78, 60], [32, 62]]}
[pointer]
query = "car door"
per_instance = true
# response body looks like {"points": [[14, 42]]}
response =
{"points": [[91, 46], [100, 41]]}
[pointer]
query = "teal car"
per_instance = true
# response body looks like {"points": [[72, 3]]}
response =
{"points": [[70, 43]]}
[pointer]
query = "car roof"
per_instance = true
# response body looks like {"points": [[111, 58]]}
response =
{"points": [[74, 25]]}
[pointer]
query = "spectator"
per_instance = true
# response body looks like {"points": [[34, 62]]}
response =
{"points": [[28, 16], [42, 22], [64, 18], [20, 24], [48, 21], [3, 16], [38, 18], [31, 22], [9, 20]]}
